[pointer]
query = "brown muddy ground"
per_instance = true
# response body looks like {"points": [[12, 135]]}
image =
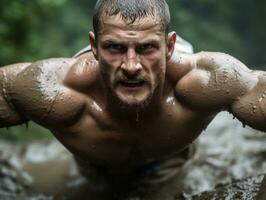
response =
{"points": [[228, 164]]}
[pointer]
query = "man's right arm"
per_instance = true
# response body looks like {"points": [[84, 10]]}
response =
{"points": [[8, 114]]}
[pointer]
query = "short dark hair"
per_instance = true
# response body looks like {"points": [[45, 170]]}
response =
{"points": [[131, 10]]}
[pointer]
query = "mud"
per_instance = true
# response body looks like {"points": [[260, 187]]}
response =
{"points": [[245, 189], [228, 164]]}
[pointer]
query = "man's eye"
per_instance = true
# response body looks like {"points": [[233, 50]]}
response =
{"points": [[145, 47], [116, 47]]}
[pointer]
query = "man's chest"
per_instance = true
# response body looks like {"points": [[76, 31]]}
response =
{"points": [[159, 136]]}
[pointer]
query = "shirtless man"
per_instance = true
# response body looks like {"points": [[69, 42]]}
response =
{"points": [[128, 109]]}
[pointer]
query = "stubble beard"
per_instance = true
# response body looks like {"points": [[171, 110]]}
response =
{"points": [[129, 107]]}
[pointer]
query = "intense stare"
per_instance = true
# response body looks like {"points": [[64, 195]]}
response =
{"points": [[132, 58]]}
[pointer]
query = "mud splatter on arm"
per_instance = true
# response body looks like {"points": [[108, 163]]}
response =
{"points": [[215, 82], [8, 114], [250, 108], [218, 81]]}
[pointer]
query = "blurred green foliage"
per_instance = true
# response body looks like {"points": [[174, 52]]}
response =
{"points": [[33, 30], [26, 132]]}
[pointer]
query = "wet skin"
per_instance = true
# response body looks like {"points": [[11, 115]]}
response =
{"points": [[133, 100]]}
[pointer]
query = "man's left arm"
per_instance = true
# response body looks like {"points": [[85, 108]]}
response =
{"points": [[218, 81]]}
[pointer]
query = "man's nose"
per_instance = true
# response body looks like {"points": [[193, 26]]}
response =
{"points": [[131, 64]]}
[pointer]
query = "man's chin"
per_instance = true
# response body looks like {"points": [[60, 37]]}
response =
{"points": [[133, 102]]}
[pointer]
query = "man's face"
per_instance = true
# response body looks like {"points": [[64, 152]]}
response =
{"points": [[132, 58]]}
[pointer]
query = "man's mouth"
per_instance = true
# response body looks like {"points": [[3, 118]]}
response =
{"points": [[133, 83]]}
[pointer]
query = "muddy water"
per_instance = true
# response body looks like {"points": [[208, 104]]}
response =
{"points": [[52, 168], [226, 152], [50, 177], [245, 189]]}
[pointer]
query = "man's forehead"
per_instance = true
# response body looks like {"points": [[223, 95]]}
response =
{"points": [[140, 24]]}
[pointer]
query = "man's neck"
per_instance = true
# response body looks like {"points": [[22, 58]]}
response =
{"points": [[134, 115]]}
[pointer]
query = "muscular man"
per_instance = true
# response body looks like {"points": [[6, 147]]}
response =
{"points": [[129, 109]]}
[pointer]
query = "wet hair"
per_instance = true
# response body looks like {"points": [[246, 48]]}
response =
{"points": [[132, 10]]}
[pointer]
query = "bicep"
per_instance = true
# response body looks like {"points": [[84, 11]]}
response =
{"points": [[218, 82], [39, 92], [215, 81]]}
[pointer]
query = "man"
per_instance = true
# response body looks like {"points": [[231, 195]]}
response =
{"points": [[129, 110]]}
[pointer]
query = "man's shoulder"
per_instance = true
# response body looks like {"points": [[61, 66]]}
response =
{"points": [[34, 92], [180, 64], [63, 71], [83, 73]]}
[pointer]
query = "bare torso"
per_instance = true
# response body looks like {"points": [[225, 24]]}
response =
{"points": [[68, 98]]}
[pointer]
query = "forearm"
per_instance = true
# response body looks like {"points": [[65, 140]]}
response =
{"points": [[8, 114], [250, 108]]}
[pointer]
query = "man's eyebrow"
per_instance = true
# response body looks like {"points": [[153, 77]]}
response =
{"points": [[116, 42], [150, 41], [119, 41]]}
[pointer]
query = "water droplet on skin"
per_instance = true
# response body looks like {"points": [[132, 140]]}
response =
{"points": [[227, 92], [260, 99]]}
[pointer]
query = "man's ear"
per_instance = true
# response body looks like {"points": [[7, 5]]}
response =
{"points": [[170, 44], [93, 45]]}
